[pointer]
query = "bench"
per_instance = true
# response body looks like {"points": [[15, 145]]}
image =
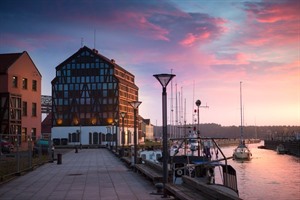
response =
{"points": [[192, 188], [184, 192], [126, 160], [149, 172]]}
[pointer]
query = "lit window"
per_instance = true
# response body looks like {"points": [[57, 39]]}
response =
{"points": [[24, 83], [15, 81]]}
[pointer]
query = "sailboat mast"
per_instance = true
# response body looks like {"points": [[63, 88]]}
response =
{"points": [[241, 107], [171, 110]]}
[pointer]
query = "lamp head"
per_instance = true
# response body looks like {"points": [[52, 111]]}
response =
{"points": [[198, 103], [135, 104], [164, 79]]}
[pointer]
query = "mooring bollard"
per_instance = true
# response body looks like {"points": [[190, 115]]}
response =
{"points": [[59, 158], [159, 188]]}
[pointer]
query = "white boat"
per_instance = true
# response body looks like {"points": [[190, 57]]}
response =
{"points": [[280, 149], [241, 152], [151, 155]]}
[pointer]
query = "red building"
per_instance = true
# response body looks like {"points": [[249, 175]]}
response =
{"points": [[20, 98]]}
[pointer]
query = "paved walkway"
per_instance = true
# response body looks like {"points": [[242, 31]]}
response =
{"points": [[88, 175]]}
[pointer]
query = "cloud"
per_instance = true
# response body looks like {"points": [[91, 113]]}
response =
{"points": [[272, 23], [274, 11]]}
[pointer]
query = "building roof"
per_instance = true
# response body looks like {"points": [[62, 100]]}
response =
{"points": [[6, 60], [96, 53]]}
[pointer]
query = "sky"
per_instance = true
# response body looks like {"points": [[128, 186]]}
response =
{"points": [[211, 46]]}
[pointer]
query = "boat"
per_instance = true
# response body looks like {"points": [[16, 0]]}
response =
{"points": [[204, 169], [241, 152], [280, 149], [189, 166], [151, 155]]}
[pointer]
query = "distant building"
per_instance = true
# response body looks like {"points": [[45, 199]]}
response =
{"points": [[20, 98], [147, 132], [46, 127], [89, 92]]}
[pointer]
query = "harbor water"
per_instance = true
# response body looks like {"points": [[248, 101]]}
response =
{"points": [[267, 175]]}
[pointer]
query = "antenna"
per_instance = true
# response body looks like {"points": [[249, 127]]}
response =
{"points": [[94, 38], [81, 41]]}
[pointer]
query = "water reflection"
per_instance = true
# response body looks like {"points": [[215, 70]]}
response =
{"points": [[267, 175]]}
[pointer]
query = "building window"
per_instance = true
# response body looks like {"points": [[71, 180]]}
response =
{"points": [[15, 81], [24, 108], [34, 109], [33, 134], [24, 83], [24, 135], [34, 85]]}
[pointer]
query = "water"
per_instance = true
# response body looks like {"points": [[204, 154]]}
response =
{"points": [[267, 175]]}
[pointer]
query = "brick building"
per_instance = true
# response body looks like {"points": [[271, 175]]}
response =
{"points": [[20, 98]]}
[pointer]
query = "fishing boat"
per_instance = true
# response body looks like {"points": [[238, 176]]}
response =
{"points": [[241, 152], [205, 169]]}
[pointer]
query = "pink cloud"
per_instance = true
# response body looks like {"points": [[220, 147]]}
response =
{"points": [[272, 11], [272, 23], [140, 23], [191, 38]]}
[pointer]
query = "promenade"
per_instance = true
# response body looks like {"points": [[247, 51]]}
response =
{"points": [[89, 174]]}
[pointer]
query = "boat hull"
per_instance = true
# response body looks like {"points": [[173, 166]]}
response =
{"points": [[242, 153]]}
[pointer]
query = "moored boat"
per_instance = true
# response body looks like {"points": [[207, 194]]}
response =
{"points": [[199, 169], [241, 152], [280, 149]]}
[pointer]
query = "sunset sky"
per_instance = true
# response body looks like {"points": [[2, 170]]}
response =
{"points": [[209, 45]]}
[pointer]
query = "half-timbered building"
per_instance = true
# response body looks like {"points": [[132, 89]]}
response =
{"points": [[89, 93]]}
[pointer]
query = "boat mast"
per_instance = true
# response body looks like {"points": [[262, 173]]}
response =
{"points": [[171, 110], [241, 107]]}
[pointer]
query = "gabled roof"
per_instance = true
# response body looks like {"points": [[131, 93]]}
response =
{"points": [[6, 60], [92, 51]]}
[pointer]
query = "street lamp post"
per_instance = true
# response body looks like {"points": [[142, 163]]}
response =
{"points": [[123, 132], [116, 123], [135, 105], [164, 80]]}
